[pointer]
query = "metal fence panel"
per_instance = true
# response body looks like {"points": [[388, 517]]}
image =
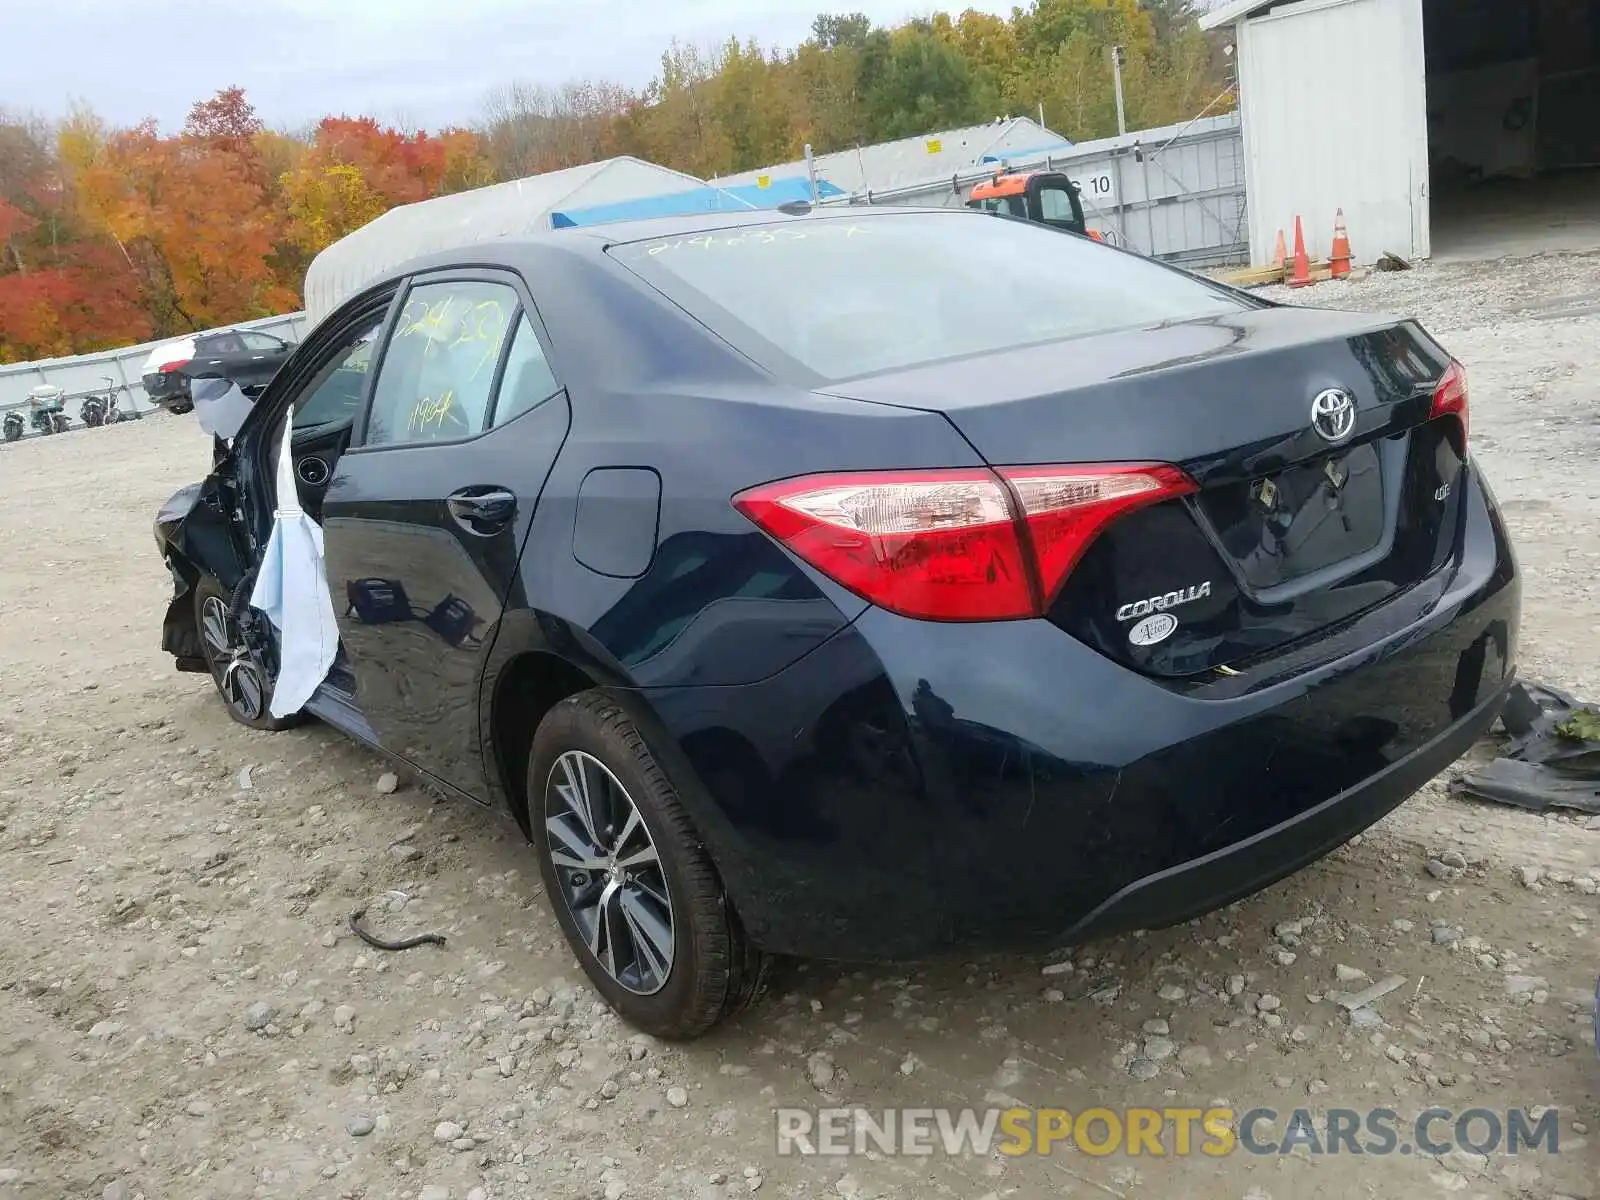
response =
{"points": [[1176, 193], [83, 374]]}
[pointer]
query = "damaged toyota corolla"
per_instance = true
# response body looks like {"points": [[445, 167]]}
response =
{"points": [[799, 586]]}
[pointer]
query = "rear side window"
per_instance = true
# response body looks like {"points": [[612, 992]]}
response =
{"points": [[847, 296], [528, 380], [437, 373]]}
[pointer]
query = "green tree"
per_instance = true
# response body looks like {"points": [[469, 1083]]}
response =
{"points": [[830, 112], [675, 123], [1049, 24], [916, 82], [750, 106], [831, 31], [1169, 18]]}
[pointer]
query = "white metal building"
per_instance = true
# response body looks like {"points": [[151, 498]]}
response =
{"points": [[915, 160], [520, 206], [1438, 126]]}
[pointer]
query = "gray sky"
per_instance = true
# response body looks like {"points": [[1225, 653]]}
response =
{"points": [[423, 62]]}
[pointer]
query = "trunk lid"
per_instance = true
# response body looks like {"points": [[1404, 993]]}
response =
{"points": [[1292, 531]]}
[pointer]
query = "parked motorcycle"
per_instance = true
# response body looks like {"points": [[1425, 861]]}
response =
{"points": [[93, 410], [102, 410], [13, 425], [47, 403]]}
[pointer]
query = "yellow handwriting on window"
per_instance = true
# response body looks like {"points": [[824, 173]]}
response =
{"points": [[484, 326], [455, 321], [428, 321], [431, 412]]}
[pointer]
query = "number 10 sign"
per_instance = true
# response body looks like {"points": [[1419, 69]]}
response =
{"points": [[1095, 187]]}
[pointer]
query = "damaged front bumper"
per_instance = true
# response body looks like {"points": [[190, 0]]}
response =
{"points": [[180, 637]]}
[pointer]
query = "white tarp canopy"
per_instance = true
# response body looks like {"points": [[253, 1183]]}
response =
{"points": [[519, 207]]}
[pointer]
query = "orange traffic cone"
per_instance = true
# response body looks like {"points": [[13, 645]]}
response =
{"points": [[1280, 257], [1339, 260], [1302, 262]]}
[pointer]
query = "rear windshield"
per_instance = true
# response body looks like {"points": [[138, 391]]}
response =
{"points": [[853, 295]]}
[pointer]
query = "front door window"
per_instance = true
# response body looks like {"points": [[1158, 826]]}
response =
{"points": [[333, 396], [438, 371]]}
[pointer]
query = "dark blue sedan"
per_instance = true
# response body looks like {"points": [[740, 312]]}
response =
{"points": [[864, 584]]}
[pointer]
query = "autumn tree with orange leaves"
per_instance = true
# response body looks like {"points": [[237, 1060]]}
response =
{"points": [[355, 170], [109, 237]]}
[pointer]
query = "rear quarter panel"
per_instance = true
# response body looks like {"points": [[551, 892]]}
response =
{"points": [[719, 603]]}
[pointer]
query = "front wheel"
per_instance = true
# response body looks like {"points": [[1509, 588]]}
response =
{"points": [[244, 685], [632, 886]]}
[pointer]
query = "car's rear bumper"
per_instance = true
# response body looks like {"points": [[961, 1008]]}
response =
{"points": [[165, 389], [907, 787], [1246, 867]]}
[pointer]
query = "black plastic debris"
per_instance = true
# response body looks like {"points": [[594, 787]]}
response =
{"points": [[1552, 759]]}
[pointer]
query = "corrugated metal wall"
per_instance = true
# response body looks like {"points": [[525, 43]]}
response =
{"points": [[83, 374], [1176, 193], [909, 161]]}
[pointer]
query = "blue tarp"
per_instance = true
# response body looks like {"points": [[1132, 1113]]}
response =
{"points": [[1031, 152], [742, 198]]}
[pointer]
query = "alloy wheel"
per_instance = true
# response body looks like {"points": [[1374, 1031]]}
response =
{"points": [[238, 678], [611, 876]]}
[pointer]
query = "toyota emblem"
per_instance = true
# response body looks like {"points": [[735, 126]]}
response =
{"points": [[1333, 414]]}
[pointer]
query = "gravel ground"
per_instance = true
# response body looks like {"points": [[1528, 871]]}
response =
{"points": [[184, 1014]]}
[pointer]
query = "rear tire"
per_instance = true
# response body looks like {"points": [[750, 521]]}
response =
{"points": [[641, 870], [245, 689]]}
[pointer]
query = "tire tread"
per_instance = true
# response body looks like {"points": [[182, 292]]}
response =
{"points": [[730, 969]]}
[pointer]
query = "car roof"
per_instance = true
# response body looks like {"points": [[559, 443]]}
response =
{"points": [[593, 240], [615, 233]]}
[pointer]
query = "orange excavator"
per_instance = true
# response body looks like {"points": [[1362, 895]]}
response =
{"points": [[1048, 197]]}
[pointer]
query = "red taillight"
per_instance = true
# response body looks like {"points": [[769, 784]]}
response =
{"points": [[175, 364], [955, 545], [1450, 397]]}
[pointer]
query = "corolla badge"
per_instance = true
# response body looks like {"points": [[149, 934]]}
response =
{"points": [[1158, 604], [1152, 630], [1333, 414]]}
